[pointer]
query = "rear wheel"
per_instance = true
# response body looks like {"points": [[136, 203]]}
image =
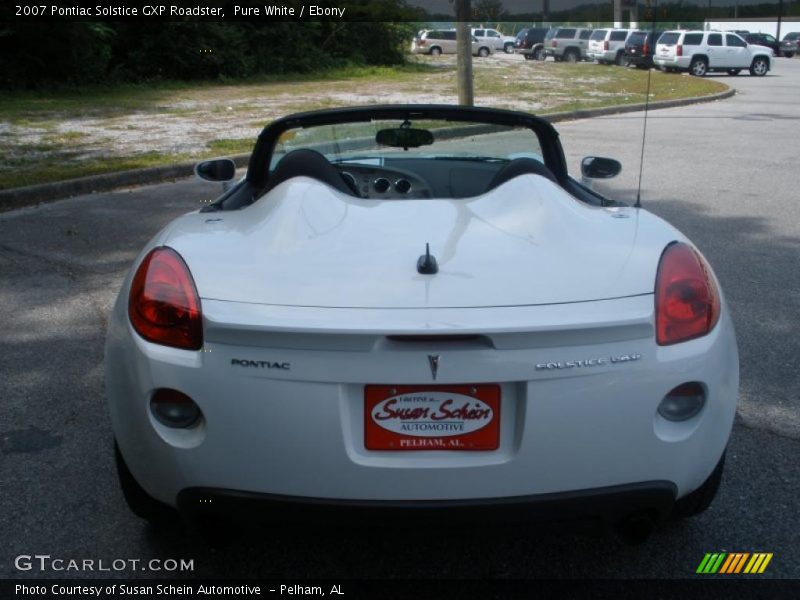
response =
{"points": [[435, 51], [621, 60], [699, 500], [698, 67], [538, 54], [509, 47], [483, 52], [734, 72], [571, 56], [141, 503], [759, 67], [788, 54]]}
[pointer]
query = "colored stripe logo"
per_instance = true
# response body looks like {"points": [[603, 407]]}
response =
{"points": [[734, 563]]}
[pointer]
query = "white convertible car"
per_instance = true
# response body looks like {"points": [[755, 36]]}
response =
{"points": [[416, 308]]}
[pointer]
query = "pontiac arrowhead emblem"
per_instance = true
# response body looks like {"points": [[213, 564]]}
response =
{"points": [[433, 359]]}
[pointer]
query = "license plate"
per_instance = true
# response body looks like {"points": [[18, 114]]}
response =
{"points": [[432, 417]]}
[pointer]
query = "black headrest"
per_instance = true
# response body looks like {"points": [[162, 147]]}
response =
{"points": [[517, 167], [307, 163]]}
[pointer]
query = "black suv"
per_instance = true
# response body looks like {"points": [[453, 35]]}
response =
{"points": [[530, 42], [640, 47]]}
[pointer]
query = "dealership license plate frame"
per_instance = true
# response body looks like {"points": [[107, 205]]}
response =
{"points": [[484, 439]]}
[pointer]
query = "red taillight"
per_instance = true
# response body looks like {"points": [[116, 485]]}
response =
{"points": [[422, 42], [645, 49], [554, 44], [605, 45], [679, 50], [163, 305], [687, 300]]}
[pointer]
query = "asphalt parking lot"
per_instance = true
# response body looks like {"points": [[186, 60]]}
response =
{"points": [[724, 173]]}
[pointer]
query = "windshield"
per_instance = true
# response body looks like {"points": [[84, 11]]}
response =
{"points": [[463, 141]]}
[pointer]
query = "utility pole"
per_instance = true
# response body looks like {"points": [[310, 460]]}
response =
{"points": [[466, 96], [780, 18]]}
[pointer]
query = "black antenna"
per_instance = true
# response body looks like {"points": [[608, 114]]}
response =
{"points": [[426, 264], [646, 107]]}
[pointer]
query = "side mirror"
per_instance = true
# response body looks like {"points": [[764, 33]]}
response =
{"points": [[219, 170], [595, 167]]}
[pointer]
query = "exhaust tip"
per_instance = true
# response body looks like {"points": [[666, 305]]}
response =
{"points": [[636, 529]]}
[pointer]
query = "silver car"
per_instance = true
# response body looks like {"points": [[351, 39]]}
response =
{"points": [[569, 44], [443, 41]]}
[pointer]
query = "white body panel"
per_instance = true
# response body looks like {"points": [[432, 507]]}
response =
{"points": [[526, 242]]}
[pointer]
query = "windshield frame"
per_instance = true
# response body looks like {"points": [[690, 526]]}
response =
{"points": [[552, 152]]}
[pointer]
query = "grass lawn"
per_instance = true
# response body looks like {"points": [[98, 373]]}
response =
{"points": [[98, 130]]}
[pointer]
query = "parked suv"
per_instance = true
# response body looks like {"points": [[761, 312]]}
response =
{"points": [[569, 44], [443, 41], [530, 42], [787, 47], [496, 40], [639, 48], [702, 51], [607, 46], [790, 44]]}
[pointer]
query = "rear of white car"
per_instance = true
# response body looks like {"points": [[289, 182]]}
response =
{"points": [[487, 385], [607, 46], [486, 334]]}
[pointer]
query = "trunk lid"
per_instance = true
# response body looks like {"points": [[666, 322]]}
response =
{"points": [[527, 242]]}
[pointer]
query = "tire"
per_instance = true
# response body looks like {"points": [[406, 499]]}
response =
{"points": [[734, 72], [698, 67], [760, 67], [483, 52], [539, 54], [571, 56], [142, 504], [788, 54], [509, 48], [435, 51], [699, 500], [620, 60]]}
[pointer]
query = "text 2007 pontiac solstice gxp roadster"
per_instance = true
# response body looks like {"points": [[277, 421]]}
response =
{"points": [[415, 308]]}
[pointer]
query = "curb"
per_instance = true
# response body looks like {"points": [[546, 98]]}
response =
{"points": [[57, 190], [626, 108]]}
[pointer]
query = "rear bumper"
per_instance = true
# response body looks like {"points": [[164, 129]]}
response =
{"points": [[672, 61], [609, 505], [638, 59], [602, 55], [299, 433]]}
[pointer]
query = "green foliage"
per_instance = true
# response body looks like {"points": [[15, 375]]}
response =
{"points": [[50, 55]]}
